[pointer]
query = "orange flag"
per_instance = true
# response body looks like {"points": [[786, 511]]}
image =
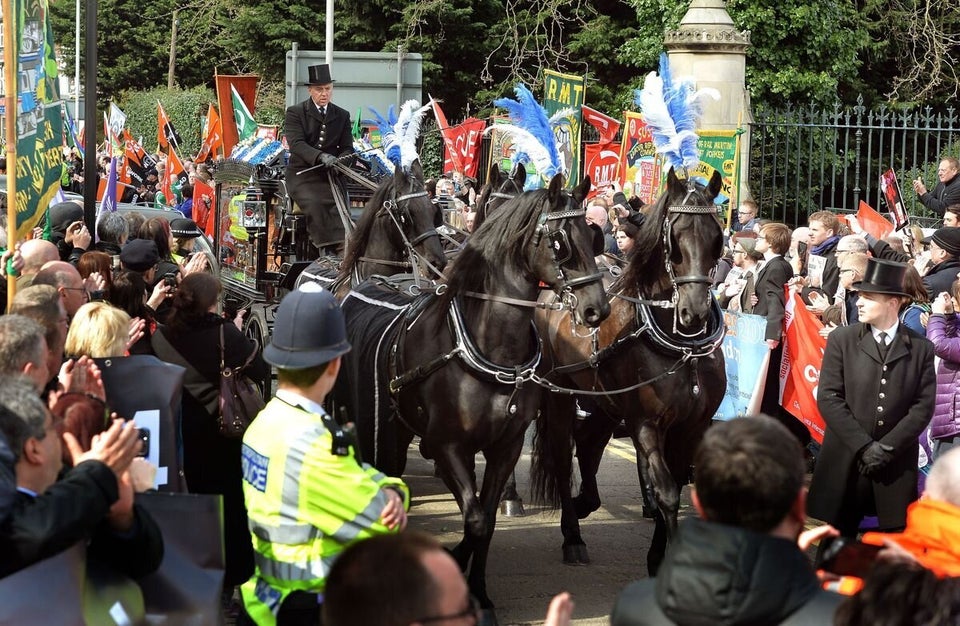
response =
{"points": [[212, 136], [873, 222], [246, 86], [166, 133], [174, 177], [800, 367]]}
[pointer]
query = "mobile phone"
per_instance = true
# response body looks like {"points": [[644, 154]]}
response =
{"points": [[848, 558], [802, 249], [144, 435], [170, 279]]}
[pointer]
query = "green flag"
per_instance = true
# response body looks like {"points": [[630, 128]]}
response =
{"points": [[246, 127]]}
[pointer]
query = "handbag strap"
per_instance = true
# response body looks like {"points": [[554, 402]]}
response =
{"points": [[246, 364]]}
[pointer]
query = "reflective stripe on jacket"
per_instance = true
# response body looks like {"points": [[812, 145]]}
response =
{"points": [[305, 505]]}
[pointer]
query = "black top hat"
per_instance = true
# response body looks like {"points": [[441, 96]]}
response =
{"points": [[309, 330], [883, 276], [319, 75]]}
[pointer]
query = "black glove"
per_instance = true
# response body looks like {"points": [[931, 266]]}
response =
{"points": [[874, 457], [327, 160]]}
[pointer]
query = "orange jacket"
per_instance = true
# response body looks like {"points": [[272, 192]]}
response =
{"points": [[932, 536]]}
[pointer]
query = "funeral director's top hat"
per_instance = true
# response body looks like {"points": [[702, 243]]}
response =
{"points": [[883, 276], [319, 75]]}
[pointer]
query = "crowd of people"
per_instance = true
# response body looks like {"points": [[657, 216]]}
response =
{"points": [[312, 534]]}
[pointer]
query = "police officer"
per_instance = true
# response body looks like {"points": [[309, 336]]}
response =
{"points": [[318, 133], [307, 495], [876, 395]]}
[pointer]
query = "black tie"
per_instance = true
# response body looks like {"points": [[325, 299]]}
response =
{"points": [[882, 346], [323, 112]]}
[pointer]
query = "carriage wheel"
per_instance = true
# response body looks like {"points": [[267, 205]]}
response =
{"points": [[257, 328]]}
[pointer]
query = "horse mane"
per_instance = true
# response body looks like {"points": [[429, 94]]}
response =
{"points": [[496, 243]]}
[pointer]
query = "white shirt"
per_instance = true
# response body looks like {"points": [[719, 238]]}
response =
{"points": [[291, 397], [891, 332]]}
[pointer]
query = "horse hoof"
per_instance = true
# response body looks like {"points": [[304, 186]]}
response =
{"points": [[583, 506], [575, 555], [512, 508]]}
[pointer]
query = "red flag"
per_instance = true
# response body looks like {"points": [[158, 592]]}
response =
{"points": [[203, 206], [601, 163], [246, 87], [212, 136], [800, 367], [873, 222], [466, 144], [451, 161], [607, 126]]}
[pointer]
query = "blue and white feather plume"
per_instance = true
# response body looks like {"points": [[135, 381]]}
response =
{"points": [[672, 109], [531, 131], [399, 133]]}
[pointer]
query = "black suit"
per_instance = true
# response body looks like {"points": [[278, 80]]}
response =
{"points": [[864, 399], [771, 303], [309, 136], [74, 509]]}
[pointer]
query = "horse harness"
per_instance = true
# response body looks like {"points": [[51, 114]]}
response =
{"points": [[465, 348], [686, 346], [400, 215]]}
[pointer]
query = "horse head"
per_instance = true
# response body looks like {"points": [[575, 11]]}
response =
{"points": [[499, 189], [566, 246], [693, 241], [399, 219]]}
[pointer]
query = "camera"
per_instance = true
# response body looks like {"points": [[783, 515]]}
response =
{"points": [[445, 202], [170, 280], [143, 434]]}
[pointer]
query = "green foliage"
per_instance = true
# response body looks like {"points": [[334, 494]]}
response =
{"points": [[187, 109], [802, 51], [431, 149]]}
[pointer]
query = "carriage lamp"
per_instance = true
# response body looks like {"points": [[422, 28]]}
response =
{"points": [[254, 208]]}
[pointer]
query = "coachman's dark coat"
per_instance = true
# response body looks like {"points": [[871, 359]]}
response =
{"points": [[864, 400], [309, 135]]}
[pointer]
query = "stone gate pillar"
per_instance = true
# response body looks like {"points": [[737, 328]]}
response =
{"points": [[708, 47]]}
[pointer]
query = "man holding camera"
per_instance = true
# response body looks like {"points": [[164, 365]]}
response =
{"points": [[318, 133], [876, 395]]}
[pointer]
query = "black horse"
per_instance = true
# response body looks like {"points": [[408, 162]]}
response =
{"points": [[499, 188], [654, 362], [460, 362], [397, 233]]}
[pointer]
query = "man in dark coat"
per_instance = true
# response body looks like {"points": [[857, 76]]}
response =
{"points": [[946, 192], [93, 502], [318, 133], [739, 562], [876, 394], [824, 237]]}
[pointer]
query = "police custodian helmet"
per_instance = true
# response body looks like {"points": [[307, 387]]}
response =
{"points": [[308, 331]]}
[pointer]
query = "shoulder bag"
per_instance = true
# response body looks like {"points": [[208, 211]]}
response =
{"points": [[240, 398]]}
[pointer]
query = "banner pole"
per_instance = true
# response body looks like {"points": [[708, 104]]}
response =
{"points": [[10, 125], [735, 196]]}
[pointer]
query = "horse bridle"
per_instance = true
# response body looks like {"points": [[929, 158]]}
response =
{"points": [[399, 215], [561, 251], [677, 281]]}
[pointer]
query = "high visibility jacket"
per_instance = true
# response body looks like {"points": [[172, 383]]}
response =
{"points": [[305, 505]]}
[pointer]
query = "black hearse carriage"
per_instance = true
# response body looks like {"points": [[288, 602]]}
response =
{"points": [[260, 239]]}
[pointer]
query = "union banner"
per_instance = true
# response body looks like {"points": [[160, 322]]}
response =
{"points": [[565, 92], [39, 125]]}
